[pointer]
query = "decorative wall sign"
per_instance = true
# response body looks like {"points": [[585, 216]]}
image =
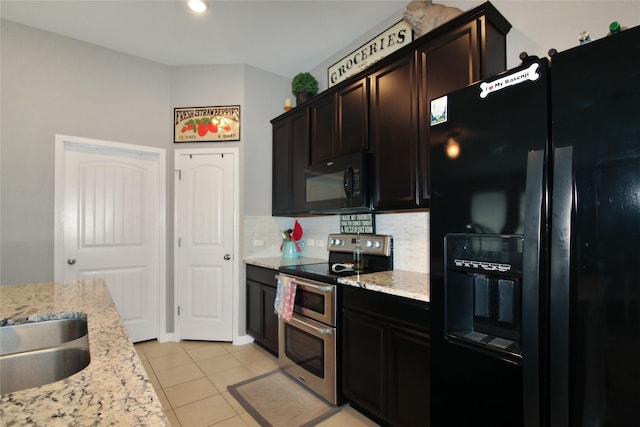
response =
{"points": [[383, 44], [363, 223], [206, 124]]}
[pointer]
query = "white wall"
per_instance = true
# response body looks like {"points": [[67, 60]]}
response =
{"points": [[541, 25], [52, 85], [264, 100], [257, 93]]}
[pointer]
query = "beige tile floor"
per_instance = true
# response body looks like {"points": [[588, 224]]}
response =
{"points": [[191, 379]]}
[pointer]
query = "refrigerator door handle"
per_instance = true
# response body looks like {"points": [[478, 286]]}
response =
{"points": [[531, 280], [562, 201]]}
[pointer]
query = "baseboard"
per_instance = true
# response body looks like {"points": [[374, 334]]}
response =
{"points": [[242, 340], [172, 337]]}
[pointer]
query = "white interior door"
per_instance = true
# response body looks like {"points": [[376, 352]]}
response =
{"points": [[205, 227], [112, 212]]}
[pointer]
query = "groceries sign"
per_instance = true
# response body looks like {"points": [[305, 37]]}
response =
{"points": [[366, 55]]}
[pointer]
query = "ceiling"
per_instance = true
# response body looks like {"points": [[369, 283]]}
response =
{"points": [[284, 37]]}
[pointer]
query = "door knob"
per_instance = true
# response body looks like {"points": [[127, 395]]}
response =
{"points": [[71, 261], [227, 256]]}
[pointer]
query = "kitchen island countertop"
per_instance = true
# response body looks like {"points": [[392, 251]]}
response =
{"points": [[113, 389]]}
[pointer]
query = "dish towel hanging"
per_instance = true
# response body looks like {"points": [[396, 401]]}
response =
{"points": [[285, 297]]}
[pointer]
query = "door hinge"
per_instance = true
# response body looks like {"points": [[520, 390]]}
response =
{"points": [[179, 241], [179, 172], [178, 310]]}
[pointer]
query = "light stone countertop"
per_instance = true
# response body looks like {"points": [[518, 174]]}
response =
{"points": [[407, 284], [276, 262], [114, 390]]}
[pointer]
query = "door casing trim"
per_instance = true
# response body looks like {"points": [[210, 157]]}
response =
{"points": [[235, 152], [61, 142]]}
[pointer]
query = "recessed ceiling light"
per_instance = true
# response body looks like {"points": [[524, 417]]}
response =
{"points": [[197, 6]]}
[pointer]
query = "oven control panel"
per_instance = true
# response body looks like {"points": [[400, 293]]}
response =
{"points": [[372, 244]]}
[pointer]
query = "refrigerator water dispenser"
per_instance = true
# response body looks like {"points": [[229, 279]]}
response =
{"points": [[483, 293]]}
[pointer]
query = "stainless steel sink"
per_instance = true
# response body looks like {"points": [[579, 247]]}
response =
{"points": [[37, 353], [20, 371], [38, 335]]}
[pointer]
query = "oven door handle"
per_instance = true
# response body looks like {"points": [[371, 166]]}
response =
{"points": [[319, 288], [297, 321]]}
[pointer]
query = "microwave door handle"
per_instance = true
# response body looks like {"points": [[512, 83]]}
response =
{"points": [[347, 181]]}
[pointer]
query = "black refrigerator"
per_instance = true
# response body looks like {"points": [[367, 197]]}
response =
{"points": [[535, 243]]}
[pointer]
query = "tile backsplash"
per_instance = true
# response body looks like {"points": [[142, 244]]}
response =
{"points": [[262, 236]]}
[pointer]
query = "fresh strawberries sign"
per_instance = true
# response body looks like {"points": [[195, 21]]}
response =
{"points": [[206, 124]]}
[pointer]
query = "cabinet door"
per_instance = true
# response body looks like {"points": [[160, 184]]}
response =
{"points": [[269, 319], [394, 134], [364, 363], [254, 310], [299, 159], [281, 168], [352, 105], [323, 128], [448, 63], [339, 122], [290, 157], [409, 362]]}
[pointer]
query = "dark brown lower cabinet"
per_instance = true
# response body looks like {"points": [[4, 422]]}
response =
{"points": [[364, 363], [262, 322], [409, 363], [386, 357]]}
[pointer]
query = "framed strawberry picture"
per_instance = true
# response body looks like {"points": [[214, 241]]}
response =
{"points": [[206, 124]]}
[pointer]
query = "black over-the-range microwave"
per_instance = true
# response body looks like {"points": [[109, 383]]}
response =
{"points": [[338, 185]]}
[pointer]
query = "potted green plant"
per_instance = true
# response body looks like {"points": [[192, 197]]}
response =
{"points": [[304, 86]]}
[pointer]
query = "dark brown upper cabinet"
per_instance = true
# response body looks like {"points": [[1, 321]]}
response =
{"points": [[339, 122], [451, 57], [394, 134], [290, 157], [474, 50], [385, 110], [323, 127]]}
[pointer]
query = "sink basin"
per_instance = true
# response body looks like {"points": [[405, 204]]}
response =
{"points": [[39, 335], [20, 371]]}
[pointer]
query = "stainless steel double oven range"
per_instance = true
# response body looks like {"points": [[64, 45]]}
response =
{"points": [[310, 343]]}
